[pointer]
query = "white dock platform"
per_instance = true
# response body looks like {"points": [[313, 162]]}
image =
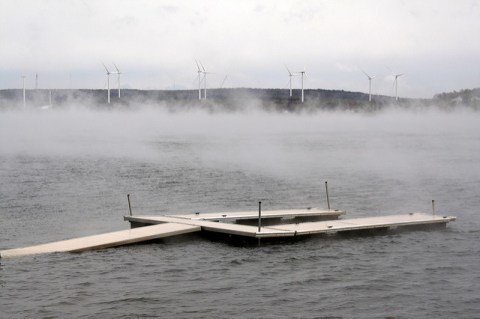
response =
{"points": [[288, 230], [226, 228], [118, 238], [379, 222], [267, 214]]}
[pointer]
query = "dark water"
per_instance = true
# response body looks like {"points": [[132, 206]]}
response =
{"points": [[66, 174]]}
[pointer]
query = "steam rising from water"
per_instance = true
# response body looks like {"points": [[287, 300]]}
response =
{"points": [[267, 142], [412, 150]]}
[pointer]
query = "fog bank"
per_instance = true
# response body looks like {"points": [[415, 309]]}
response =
{"points": [[255, 139]]}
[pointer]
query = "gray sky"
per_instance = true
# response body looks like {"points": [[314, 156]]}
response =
{"points": [[155, 43]]}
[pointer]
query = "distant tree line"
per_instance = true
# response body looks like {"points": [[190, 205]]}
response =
{"points": [[468, 97], [231, 99]]}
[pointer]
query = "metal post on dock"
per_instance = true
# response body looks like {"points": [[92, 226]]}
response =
{"points": [[433, 207], [259, 221], [328, 199], [259, 216], [129, 206]]}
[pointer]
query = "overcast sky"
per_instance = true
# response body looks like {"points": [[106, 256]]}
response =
{"points": [[155, 43]]}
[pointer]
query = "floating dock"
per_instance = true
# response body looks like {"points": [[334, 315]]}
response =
{"points": [[268, 214], [283, 224], [118, 238], [299, 229], [249, 217]]}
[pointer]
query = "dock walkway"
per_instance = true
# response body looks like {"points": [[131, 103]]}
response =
{"points": [[297, 229], [118, 238], [267, 214]]}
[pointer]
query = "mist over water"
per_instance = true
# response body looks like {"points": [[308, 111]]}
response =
{"points": [[66, 173]]}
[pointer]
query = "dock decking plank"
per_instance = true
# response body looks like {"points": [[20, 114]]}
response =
{"points": [[365, 223], [284, 213], [107, 240], [228, 228]]}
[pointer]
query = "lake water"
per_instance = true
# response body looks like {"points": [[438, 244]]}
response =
{"points": [[66, 174]]}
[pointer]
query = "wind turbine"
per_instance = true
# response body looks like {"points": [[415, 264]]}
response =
{"points": [[204, 80], [370, 78], [395, 82], [290, 75], [199, 72], [118, 77], [302, 73], [108, 83]]}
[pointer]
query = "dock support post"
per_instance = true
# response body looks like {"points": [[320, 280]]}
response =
{"points": [[259, 216], [328, 199], [259, 220], [129, 206], [433, 207]]}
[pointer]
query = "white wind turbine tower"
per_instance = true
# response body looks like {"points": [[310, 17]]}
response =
{"points": [[302, 73], [108, 83], [395, 82], [290, 75], [118, 78], [204, 80], [199, 72], [370, 78]]}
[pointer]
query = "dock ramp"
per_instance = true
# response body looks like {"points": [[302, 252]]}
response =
{"points": [[118, 238]]}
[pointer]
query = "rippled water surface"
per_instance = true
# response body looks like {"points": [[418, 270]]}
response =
{"points": [[66, 174]]}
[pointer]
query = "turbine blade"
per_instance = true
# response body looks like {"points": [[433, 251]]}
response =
{"points": [[202, 66], [289, 73], [198, 67], [118, 71], [108, 72], [368, 75]]}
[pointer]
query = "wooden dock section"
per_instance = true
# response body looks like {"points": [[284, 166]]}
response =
{"points": [[298, 229], [217, 227], [267, 214], [366, 223], [124, 237]]}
